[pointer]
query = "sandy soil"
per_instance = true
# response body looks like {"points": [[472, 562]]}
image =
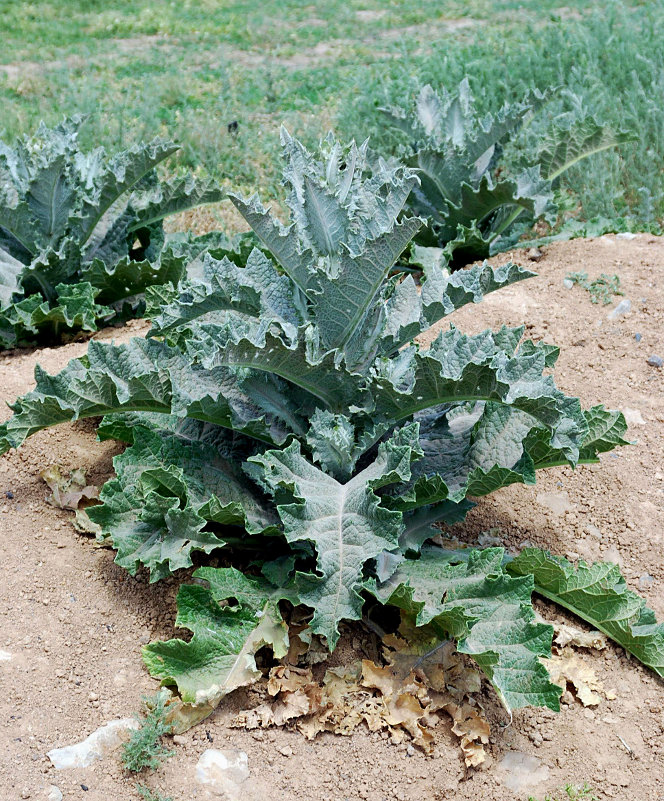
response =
{"points": [[73, 622]]}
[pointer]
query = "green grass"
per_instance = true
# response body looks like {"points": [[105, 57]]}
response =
{"points": [[188, 69], [601, 289], [151, 795], [572, 792], [144, 748]]}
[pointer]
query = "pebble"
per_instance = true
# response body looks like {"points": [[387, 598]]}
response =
{"points": [[613, 555], [536, 738], [534, 254], [646, 581], [178, 739], [626, 235], [568, 284], [633, 417], [624, 307], [521, 772], [96, 746], [54, 793], [223, 771], [286, 751], [638, 337], [559, 503], [655, 361]]}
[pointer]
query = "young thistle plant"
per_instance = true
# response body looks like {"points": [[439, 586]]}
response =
{"points": [[281, 413]]}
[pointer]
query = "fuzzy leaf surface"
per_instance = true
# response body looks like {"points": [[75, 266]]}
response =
{"points": [[141, 376], [487, 611], [344, 522], [68, 217], [168, 488], [599, 595]]}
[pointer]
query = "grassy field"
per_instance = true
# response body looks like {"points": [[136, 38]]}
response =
{"points": [[192, 69]]}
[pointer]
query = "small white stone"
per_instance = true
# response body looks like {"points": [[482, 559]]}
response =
{"points": [[624, 307], [5, 656], [98, 745], [54, 793], [223, 772], [633, 417], [521, 772], [626, 235], [612, 554]]}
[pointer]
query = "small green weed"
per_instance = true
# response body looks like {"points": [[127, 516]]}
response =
{"points": [[145, 749], [151, 795], [574, 793], [600, 289]]}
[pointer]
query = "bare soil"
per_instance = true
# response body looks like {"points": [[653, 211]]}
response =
{"points": [[73, 622]]}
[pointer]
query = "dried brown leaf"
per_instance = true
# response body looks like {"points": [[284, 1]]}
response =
{"points": [[422, 677], [68, 493], [568, 668], [569, 635], [472, 728]]}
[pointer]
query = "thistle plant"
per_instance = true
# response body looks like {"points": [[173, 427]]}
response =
{"points": [[81, 234], [282, 414], [471, 202]]}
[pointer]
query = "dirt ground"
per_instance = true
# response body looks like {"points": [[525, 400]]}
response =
{"points": [[71, 622]]}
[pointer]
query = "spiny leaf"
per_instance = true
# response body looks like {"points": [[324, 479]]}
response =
{"points": [[253, 290], [455, 149], [120, 175], [459, 368], [220, 656], [599, 595], [34, 318], [70, 217], [565, 145], [487, 611], [143, 375], [344, 521], [167, 489], [172, 197]]}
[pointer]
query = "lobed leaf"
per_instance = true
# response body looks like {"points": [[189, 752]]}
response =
{"points": [[141, 376], [167, 489], [566, 144], [70, 218], [459, 368], [598, 594], [344, 522], [488, 611], [219, 658]]}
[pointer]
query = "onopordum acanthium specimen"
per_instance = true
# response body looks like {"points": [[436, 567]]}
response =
{"points": [[473, 207], [281, 414], [81, 233]]}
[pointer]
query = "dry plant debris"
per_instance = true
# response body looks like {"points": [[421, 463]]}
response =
{"points": [[68, 492], [401, 697]]}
